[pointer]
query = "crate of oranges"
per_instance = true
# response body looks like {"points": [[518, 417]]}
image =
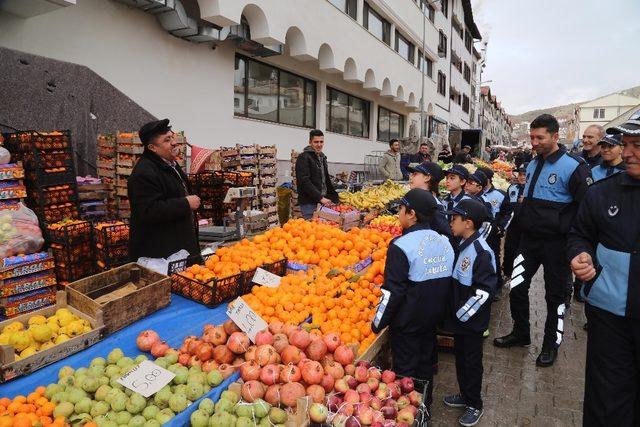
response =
{"points": [[33, 410]]}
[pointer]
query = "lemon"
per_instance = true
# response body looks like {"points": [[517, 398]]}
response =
{"points": [[42, 333], [46, 345], [75, 328], [63, 312], [64, 320], [20, 340], [37, 320], [13, 327], [31, 350], [62, 338], [53, 319], [54, 327], [4, 338]]}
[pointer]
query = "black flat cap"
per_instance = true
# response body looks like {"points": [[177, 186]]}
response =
{"points": [[421, 201], [479, 177], [459, 170], [427, 168], [471, 209], [488, 172], [157, 127], [615, 139]]}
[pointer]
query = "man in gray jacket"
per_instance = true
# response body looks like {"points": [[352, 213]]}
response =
{"points": [[389, 166]]}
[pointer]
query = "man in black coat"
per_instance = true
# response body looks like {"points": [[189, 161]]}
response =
{"points": [[162, 210], [312, 176]]}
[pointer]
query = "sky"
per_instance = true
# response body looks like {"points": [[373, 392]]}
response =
{"points": [[544, 53]]}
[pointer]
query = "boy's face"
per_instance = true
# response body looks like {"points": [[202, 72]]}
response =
{"points": [[522, 178], [407, 217], [453, 182], [458, 225], [472, 188], [418, 180]]}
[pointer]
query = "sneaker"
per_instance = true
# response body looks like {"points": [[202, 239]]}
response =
{"points": [[485, 334], [455, 401], [470, 417]]}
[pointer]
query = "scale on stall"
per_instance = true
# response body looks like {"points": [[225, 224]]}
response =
{"points": [[242, 197]]}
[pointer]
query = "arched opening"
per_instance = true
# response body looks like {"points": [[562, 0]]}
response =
{"points": [[297, 45], [386, 89], [370, 80], [326, 59], [351, 71]]}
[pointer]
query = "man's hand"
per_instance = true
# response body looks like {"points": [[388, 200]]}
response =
{"points": [[325, 202], [582, 266], [194, 202]]}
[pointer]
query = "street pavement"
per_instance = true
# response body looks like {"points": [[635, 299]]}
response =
{"points": [[515, 391]]}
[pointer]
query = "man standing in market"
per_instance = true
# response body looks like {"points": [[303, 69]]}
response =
{"points": [[590, 149], [463, 156], [162, 207], [389, 166], [422, 155], [604, 250], [312, 177], [556, 183]]}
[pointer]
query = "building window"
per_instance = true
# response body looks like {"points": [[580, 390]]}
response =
{"points": [[465, 103], [431, 11], [456, 61], [350, 7], [442, 83], [390, 125], [467, 73], [445, 7], [458, 29], [347, 114], [442, 45], [405, 48], [268, 93], [468, 40], [598, 113], [425, 64], [376, 25]]}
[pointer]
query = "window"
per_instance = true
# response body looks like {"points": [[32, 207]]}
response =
{"points": [[350, 7], [467, 73], [598, 113], [390, 125], [442, 45], [428, 9], [468, 40], [465, 103], [377, 25], [268, 93], [445, 7], [442, 83], [454, 95], [458, 28], [456, 61], [422, 61], [405, 48], [347, 114]]}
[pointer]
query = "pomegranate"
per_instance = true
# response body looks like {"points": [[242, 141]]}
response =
{"points": [[290, 373], [264, 337], [290, 393], [276, 327], [208, 326], [251, 353], [334, 369], [312, 372], [332, 341], [349, 369], [291, 355], [250, 371], [266, 354], [209, 366], [316, 350], [269, 374], [194, 361], [289, 329], [238, 342], [159, 349], [183, 359], [280, 341], [187, 341], [147, 339], [300, 338], [215, 335], [316, 392], [327, 382], [230, 327], [328, 358], [272, 395], [222, 354], [252, 390], [344, 355], [204, 351]]}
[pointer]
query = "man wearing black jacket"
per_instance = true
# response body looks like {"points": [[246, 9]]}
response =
{"points": [[312, 177], [162, 209]]}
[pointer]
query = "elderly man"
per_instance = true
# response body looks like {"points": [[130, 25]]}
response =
{"points": [[162, 208], [590, 149]]}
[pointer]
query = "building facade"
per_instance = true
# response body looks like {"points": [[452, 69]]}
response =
{"points": [[497, 126], [601, 111], [267, 71]]}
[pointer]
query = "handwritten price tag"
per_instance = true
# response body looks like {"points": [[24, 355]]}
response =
{"points": [[266, 278], [146, 379], [246, 319]]}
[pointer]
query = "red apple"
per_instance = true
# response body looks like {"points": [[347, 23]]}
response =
{"points": [[361, 374], [406, 384], [373, 383], [363, 388], [334, 402], [341, 385], [395, 390], [415, 398], [388, 376], [351, 396], [353, 383], [366, 416], [403, 402], [375, 403], [405, 416], [389, 412], [375, 373]]}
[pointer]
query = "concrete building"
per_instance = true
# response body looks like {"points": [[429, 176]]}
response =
{"points": [[266, 71], [497, 126], [601, 111]]}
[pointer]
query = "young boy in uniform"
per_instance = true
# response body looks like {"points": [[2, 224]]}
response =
{"points": [[474, 283], [416, 289], [455, 180]]}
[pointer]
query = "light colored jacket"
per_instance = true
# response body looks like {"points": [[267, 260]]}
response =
{"points": [[389, 166]]}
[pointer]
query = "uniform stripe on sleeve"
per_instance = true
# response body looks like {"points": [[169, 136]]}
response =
{"points": [[384, 300], [472, 305]]}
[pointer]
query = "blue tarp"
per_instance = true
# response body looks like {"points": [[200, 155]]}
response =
{"points": [[180, 319]]}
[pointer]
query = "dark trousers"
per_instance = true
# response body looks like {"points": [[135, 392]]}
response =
{"points": [[511, 243], [468, 350], [495, 243], [612, 383], [413, 354], [533, 252]]}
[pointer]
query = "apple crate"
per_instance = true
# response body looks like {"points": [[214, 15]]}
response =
{"points": [[153, 292], [11, 368]]}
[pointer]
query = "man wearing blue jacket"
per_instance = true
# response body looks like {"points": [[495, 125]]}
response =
{"points": [[604, 249]]}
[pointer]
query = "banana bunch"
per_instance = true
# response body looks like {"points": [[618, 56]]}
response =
{"points": [[374, 197]]}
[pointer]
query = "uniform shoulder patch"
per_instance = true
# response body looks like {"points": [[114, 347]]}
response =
{"points": [[465, 264]]}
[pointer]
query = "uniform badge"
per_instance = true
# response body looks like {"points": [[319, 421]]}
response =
{"points": [[589, 180], [494, 202], [466, 263], [553, 178], [613, 210]]}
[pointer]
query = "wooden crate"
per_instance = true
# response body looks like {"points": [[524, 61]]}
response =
{"points": [[153, 293], [376, 346], [11, 368]]}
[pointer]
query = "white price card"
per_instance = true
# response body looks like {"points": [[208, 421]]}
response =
{"points": [[146, 379], [246, 319], [266, 278]]}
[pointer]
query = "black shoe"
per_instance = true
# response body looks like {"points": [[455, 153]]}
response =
{"points": [[511, 340], [546, 357]]}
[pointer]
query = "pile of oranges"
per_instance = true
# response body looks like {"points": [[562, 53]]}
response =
{"points": [[33, 410]]}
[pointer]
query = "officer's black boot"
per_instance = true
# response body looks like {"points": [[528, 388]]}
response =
{"points": [[512, 340], [547, 357]]}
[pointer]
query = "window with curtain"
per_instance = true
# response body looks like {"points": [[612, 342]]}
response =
{"points": [[347, 114]]}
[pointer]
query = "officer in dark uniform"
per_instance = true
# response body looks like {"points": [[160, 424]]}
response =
{"points": [[556, 183], [604, 249], [416, 288], [515, 195], [611, 153]]}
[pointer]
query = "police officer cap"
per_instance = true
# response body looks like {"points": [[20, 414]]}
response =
{"points": [[631, 127], [421, 201], [479, 177], [427, 168], [459, 170], [488, 172], [157, 127], [471, 209], [521, 168], [615, 139]]}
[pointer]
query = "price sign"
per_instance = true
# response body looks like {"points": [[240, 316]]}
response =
{"points": [[246, 319], [146, 379], [266, 278]]}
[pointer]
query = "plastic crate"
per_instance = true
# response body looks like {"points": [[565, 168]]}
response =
{"points": [[210, 294], [70, 234], [111, 235], [73, 272], [56, 213], [111, 256], [67, 255]]}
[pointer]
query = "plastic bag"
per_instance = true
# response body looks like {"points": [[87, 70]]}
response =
{"points": [[5, 156], [161, 265], [19, 232]]}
